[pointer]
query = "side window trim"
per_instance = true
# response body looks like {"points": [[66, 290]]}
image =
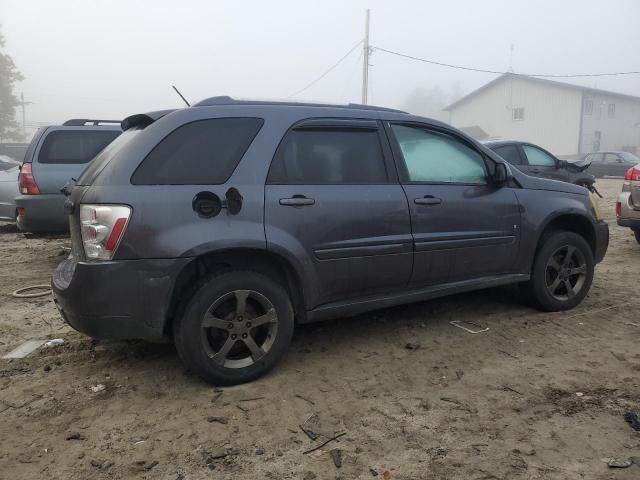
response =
{"points": [[400, 163], [330, 123]]}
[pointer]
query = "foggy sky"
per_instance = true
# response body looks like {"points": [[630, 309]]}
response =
{"points": [[109, 59]]}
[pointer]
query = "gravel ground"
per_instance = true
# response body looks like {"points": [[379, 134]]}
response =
{"points": [[538, 396]]}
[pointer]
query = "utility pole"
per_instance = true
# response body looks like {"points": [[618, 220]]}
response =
{"points": [[24, 121], [365, 65]]}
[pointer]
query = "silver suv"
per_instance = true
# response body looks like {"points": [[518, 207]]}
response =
{"points": [[56, 156], [628, 205]]}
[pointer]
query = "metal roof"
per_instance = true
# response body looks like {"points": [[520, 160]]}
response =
{"points": [[554, 83]]}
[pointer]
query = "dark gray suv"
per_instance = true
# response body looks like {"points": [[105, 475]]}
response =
{"points": [[224, 224]]}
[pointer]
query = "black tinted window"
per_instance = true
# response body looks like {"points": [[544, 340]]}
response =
{"points": [[329, 156], [509, 153], [74, 146], [205, 152]]}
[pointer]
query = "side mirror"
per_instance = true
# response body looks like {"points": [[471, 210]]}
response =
{"points": [[500, 175]]}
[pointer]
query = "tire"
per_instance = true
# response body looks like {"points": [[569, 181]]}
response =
{"points": [[551, 271], [636, 233], [203, 332]]}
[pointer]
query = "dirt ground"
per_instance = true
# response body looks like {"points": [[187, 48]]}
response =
{"points": [[538, 396]]}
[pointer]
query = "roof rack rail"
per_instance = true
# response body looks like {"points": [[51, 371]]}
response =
{"points": [[79, 122], [227, 100]]}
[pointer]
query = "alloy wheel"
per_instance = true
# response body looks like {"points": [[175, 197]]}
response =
{"points": [[239, 328], [565, 273]]}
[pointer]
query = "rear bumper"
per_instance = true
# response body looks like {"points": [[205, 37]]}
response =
{"points": [[602, 240], [629, 215], [127, 299], [42, 213]]}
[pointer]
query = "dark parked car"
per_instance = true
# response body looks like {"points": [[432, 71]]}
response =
{"points": [[57, 155], [611, 164], [536, 161], [224, 224]]}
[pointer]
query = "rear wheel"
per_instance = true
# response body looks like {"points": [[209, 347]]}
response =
{"points": [[636, 233], [562, 272], [236, 327]]}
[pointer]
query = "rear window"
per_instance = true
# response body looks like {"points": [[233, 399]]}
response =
{"points": [[74, 146], [205, 152], [509, 153], [329, 156], [104, 157]]}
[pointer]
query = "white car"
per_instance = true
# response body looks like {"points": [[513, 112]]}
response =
{"points": [[628, 205], [9, 169]]}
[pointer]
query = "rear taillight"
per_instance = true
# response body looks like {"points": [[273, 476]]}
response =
{"points": [[633, 174], [26, 182], [618, 209], [102, 228]]}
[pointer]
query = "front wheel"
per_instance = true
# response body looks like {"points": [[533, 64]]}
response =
{"points": [[236, 327], [562, 272]]}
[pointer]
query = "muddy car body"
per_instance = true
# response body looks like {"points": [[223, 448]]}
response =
{"points": [[224, 224]]}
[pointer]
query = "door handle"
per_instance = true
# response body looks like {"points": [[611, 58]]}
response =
{"points": [[297, 201], [535, 170], [428, 200]]}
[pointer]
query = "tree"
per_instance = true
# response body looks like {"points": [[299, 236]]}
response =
{"points": [[9, 75], [426, 102]]}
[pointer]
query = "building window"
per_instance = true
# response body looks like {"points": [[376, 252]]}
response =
{"points": [[517, 114], [612, 110], [588, 107]]}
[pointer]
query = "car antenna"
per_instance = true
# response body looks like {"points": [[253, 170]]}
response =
{"points": [[183, 99]]}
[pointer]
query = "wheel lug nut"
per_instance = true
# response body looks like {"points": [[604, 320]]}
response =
{"points": [[248, 324], [244, 335], [240, 318], [234, 336], [230, 326]]}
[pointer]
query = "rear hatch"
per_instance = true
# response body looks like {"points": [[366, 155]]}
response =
{"points": [[64, 152]]}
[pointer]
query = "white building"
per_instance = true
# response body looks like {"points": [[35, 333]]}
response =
{"points": [[565, 119]]}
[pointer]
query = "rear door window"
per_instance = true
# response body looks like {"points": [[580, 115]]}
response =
{"points": [[204, 152], [74, 146], [510, 153], [329, 156]]}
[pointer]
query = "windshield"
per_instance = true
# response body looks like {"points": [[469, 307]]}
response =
{"points": [[104, 157], [630, 157]]}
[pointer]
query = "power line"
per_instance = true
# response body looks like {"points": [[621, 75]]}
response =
{"points": [[482, 70], [327, 72]]}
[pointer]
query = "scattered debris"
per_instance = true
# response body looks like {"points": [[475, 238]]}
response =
{"points": [[476, 446], [223, 420], [460, 405], [259, 451], [251, 399], [25, 349], [44, 290], [305, 399], [15, 405], [510, 389], [309, 476], [335, 437], [619, 356], [425, 404], [101, 387], [336, 456], [509, 354], [386, 475], [240, 407], [216, 397], [412, 345], [456, 323], [579, 394], [74, 436], [632, 419], [618, 463], [311, 426], [54, 343], [459, 374], [373, 471]]}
